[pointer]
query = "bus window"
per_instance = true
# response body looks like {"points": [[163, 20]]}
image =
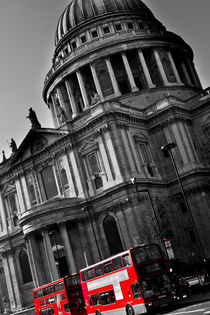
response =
{"points": [[105, 298], [60, 285], [84, 275], [96, 299], [40, 293], [136, 290], [90, 300], [140, 255], [67, 307], [126, 260], [108, 266], [44, 290], [55, 287], [62, 296], [50, 289], [153, 252], [99, 270], [91, 273], [112, 297], [117, 263]]}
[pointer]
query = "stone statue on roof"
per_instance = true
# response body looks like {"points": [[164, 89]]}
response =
{"points": [[13, 145], [33, 118]]}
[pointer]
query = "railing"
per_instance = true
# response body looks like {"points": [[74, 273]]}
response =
{"points": [[98, 42]]}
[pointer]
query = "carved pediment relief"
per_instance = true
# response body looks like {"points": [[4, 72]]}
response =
{"points": [[88, 146], [38, 144], [140, 136], [9, 188]]}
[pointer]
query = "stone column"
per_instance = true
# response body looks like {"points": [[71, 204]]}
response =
{"points": [[112, 77], [180, 144], [49, 256], [160, 67], [120, 150], [8, 278], [129, 73], [20, 195], [71, 98], [96, 81], [174, 68], [193, 73], [34, 259], [145, 69], [184, 69], [11, 280], [52, 110], [3, 215], [82, 89], [55, 112], [67, 246], [25, 192]]}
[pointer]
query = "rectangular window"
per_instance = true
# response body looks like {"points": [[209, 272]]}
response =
{"points": [[84, 275], [108, 267], [73, 45], [91, 273], [83, 39], [94, 33], [12, 203], [96, 299], [117, 263], [105, 298], [94, 163], [106, 29], [112, 296], [49, 182], [118, 27], [136, 290], [130, 26], [126, 260], [99, 270]]}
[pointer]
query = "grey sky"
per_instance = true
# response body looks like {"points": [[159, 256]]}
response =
{"points": [[27, 29]]}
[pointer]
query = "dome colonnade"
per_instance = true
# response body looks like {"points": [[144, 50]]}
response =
{"points": [[113, 56]]}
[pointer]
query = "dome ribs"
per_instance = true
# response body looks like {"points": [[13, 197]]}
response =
{"points": [[80, 11]]}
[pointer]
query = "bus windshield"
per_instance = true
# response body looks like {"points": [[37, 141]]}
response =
{"points": [[152, 271], [63, 296]]}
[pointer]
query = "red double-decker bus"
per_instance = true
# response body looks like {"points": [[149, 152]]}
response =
{"points": [[63, 296], [132, 282]]}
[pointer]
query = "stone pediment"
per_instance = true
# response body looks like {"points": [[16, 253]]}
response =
{"points": [[8, 188], [140, 137], [88, 146], [36, 141]]}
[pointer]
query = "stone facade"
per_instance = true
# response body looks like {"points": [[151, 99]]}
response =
{"points": [[121, 86]]}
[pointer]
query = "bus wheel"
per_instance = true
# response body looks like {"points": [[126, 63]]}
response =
{"points": [[98, 312], [129, 310]]}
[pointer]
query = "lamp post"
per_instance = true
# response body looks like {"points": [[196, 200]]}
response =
{"points": [[167, 148], [87, 208], [133, 181]]}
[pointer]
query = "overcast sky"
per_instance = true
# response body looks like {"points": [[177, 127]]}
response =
{"points": [[27, 29]]}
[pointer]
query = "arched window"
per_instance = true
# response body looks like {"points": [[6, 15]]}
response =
{"points": [[64, 179], [25, 267], [112, 235]]}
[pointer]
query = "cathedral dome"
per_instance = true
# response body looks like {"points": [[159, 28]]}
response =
{"points": [[80, 11]]}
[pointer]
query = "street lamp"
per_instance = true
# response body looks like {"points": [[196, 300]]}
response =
{"points": [[133, 181], [167, 148], [87, 208]]}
